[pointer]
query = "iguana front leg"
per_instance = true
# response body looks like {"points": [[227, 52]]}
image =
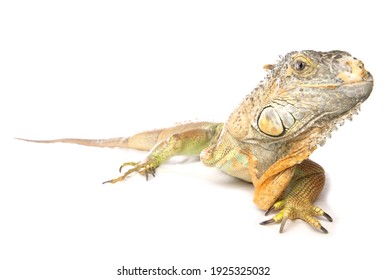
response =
{"points": [[189, 142], [306, 184]]}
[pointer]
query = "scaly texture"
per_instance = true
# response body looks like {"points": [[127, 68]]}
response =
{"points": [[269, 137]]}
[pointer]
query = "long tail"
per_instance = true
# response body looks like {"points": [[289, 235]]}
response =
{"points": [[112, 142], [141, 141]]}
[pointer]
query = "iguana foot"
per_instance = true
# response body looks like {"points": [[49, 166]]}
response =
{"points": [[188, 142], [306, 184], [144, 168], [296, 208]]}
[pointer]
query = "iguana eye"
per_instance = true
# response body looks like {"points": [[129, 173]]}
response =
{"points": [[299, 65]]}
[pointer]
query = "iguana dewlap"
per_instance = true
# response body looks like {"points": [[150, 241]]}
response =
{"points": [[269, 137]]}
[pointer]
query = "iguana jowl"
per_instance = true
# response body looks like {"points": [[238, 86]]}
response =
{"points": [[269, 137]]}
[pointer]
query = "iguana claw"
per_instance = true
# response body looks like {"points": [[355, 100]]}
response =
{"points": [[144, 168]]}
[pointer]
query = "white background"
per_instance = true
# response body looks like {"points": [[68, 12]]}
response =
{"points": [[99, 69]]}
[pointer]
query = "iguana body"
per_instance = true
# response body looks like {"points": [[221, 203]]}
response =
{"points": [[269, 137]]}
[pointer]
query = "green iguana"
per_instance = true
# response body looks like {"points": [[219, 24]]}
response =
{"points": [[269, 137]]}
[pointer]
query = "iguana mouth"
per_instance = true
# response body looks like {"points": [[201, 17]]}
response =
{"points": [[335, 86]]}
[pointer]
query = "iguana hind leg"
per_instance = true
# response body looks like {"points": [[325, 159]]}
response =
{"points": [[306, 184], [188, 142]]}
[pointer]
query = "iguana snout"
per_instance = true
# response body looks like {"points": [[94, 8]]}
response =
{"points": [[357, 81], [354, 72]]}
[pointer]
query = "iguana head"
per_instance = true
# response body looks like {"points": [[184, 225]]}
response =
{"points": [[307, 90]]}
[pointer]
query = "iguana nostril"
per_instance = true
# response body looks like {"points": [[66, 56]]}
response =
{"points": [[339, 80]]}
